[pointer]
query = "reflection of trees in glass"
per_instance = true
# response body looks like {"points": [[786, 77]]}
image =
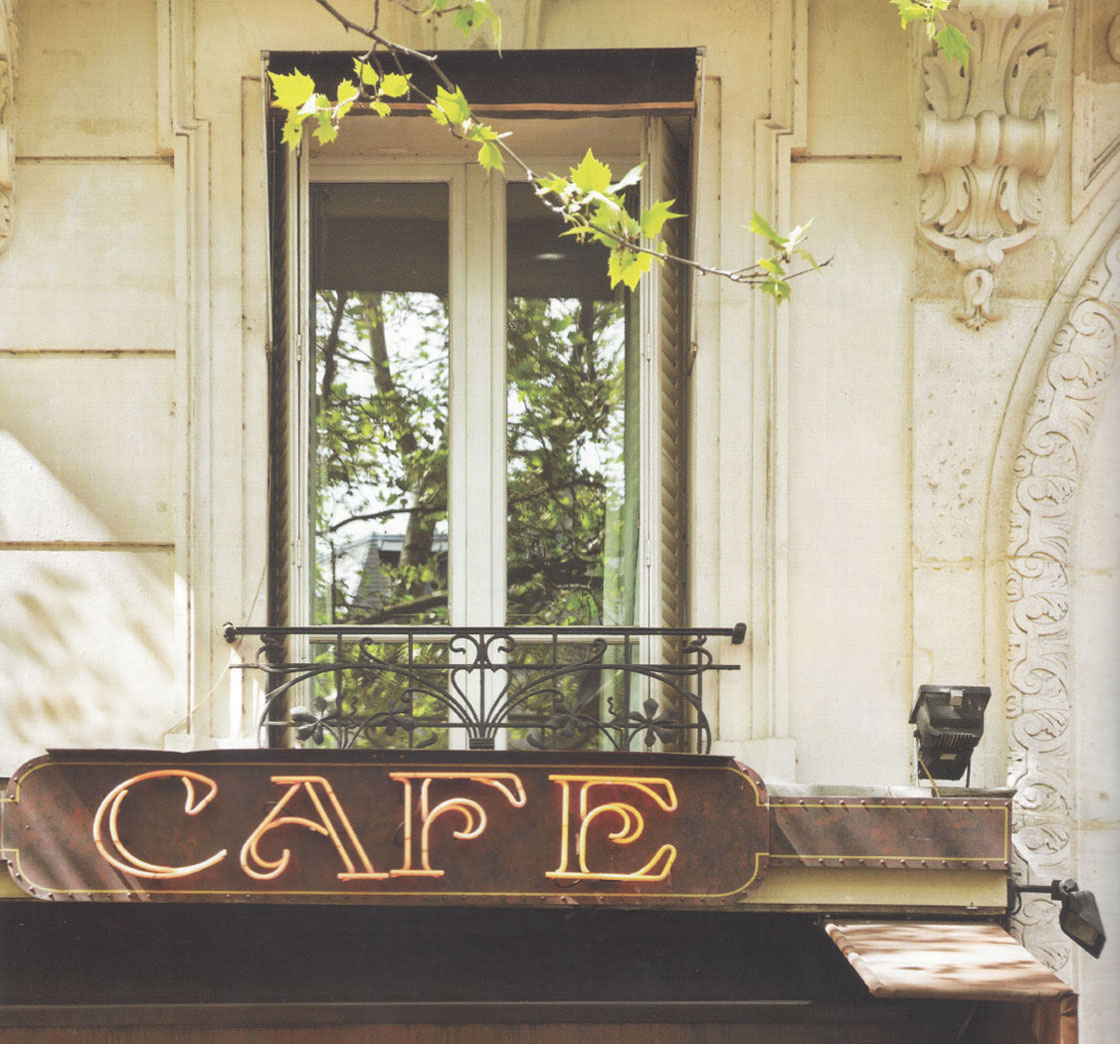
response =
{"points": [[571, 502], [380, 501], [567, 468], [380, 504], [380, 488]]}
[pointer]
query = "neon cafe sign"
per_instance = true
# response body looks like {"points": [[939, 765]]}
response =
{"points": [[382, 827]]}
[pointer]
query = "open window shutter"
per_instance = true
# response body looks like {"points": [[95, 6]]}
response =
{"points": [[668, 178], [287, 479], [279, 529], [287, 407]]}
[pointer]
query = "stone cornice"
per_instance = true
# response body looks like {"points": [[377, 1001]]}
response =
{"points": [[988, 139]]}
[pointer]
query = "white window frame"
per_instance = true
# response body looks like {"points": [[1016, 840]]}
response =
{"points": [[477, 379]]}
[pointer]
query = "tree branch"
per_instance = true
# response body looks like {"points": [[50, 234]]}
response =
{"points": [[371, 33], [373, 516], [576, 204], [414, 605]]}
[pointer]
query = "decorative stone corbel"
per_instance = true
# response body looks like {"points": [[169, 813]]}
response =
{"points": [[7, 119], [988, 139]]}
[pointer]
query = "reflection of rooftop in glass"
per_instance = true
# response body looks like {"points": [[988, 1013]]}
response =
{"points": [[395, 541]]}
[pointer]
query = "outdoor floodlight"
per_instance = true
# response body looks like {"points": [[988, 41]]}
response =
{"points": [[1080, 919], [950, 722]]}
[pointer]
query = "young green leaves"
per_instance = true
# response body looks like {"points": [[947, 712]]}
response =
{"points": [[591, 176], [489, 155], [469, 16], [451, 109], [377, 88], [775, 280], [595, 209], [295, 93], [472, 16], [954, 43], [949, 39], [653, 220]]}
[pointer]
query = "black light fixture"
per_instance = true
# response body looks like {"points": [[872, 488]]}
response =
{"points": [[1079, 919], [950, 722]]}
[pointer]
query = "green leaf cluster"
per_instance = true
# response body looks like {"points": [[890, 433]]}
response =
{"points": [[591, 205], [954, 44], [295, 93], [784, 248], [470, 15], [451, 109], [595, 209], [951, 41]]}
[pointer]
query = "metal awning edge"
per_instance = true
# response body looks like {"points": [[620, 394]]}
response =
{"points": [[943, 960], [955, 961]]}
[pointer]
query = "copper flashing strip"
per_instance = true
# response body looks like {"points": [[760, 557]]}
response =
{"points": [[886, 832], [650, 108]]}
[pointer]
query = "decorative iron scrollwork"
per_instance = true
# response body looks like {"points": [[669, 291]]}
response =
{"points": [[542, 688]]}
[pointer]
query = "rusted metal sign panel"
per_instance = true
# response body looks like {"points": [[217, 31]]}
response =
{"points": [[902, 833], [386, 826]]}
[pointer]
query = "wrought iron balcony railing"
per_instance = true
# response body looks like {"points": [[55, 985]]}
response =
{"points": [[547, 688]]}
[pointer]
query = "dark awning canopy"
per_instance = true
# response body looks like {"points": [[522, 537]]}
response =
{"points": [[648, 81]]}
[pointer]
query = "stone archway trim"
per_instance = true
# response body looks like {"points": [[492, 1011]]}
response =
{"points": [[1067, 400]]}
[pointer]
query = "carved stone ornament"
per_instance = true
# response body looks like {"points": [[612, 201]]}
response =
{"points": [[988, 139], [7, 118], [1057, 433]]}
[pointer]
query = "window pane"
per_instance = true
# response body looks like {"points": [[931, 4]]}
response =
{"points": [[379, 270], [572, 428]]}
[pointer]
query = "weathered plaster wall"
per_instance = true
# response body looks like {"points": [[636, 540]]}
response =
{"points": [[849, 404], [86, 391]]}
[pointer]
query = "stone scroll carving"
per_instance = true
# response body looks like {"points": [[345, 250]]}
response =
{"points": [[1066, 403], [988, 139], [7, 120]]}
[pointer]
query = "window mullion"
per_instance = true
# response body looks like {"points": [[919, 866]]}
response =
{"points": [[458, 474], [498, 467], [477, 483], [300, 362]]}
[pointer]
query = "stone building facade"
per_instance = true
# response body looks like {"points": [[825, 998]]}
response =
{"points": [[908, 474]]}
